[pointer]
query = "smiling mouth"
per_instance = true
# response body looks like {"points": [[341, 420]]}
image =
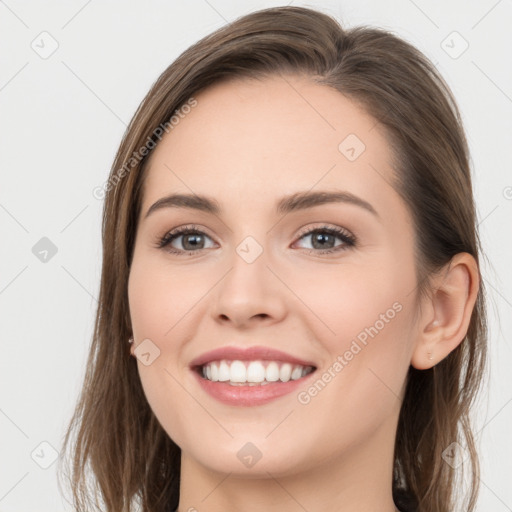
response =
{"points": [[252, 373]]}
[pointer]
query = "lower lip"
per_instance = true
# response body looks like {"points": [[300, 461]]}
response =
{"points": [[247, 396]]}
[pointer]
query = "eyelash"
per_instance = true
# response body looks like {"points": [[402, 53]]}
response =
{"points": [[348, 239]]}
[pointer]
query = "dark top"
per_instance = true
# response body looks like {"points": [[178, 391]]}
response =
{"points": [[404, 502]]}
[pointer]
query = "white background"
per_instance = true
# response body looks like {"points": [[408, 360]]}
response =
{"points": [[61, 122]]}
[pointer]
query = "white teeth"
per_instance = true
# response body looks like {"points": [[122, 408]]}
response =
{"points": [[223, 371], [237, 372], [214, 372], [254, 372], [272, 372], [285, 372], [296, 373]]}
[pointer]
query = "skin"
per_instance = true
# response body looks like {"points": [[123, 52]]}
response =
{"points": [[247, 144]]}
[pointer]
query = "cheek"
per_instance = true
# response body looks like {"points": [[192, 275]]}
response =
{"points": [[360, 316], [158, 300], [160, 296], [348, 301], [366, 330], [361, 380]]}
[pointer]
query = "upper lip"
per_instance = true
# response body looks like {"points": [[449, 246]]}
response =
{"points": [[248, 354]]}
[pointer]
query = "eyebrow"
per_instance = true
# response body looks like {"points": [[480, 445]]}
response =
{"points": [[291, 203]]}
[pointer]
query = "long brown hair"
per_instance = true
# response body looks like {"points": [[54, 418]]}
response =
{"points": [[118, 438]]}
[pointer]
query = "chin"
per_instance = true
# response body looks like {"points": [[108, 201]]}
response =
{"points": [[253, 457]]}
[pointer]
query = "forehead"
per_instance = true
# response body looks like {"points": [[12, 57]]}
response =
{"points": [[270, 137]]}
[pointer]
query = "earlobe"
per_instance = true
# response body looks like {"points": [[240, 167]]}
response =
{"points": [[450, 307]]}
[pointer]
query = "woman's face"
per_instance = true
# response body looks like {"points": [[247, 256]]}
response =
{"points": [[259, 275]]}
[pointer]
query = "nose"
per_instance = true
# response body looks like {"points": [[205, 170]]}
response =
{"points": [[249, 294]]}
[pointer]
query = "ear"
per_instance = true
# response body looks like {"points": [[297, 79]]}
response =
{"points": [[445, 320]]}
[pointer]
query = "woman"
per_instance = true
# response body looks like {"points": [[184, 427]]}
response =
{"points": [[290, 249]]}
